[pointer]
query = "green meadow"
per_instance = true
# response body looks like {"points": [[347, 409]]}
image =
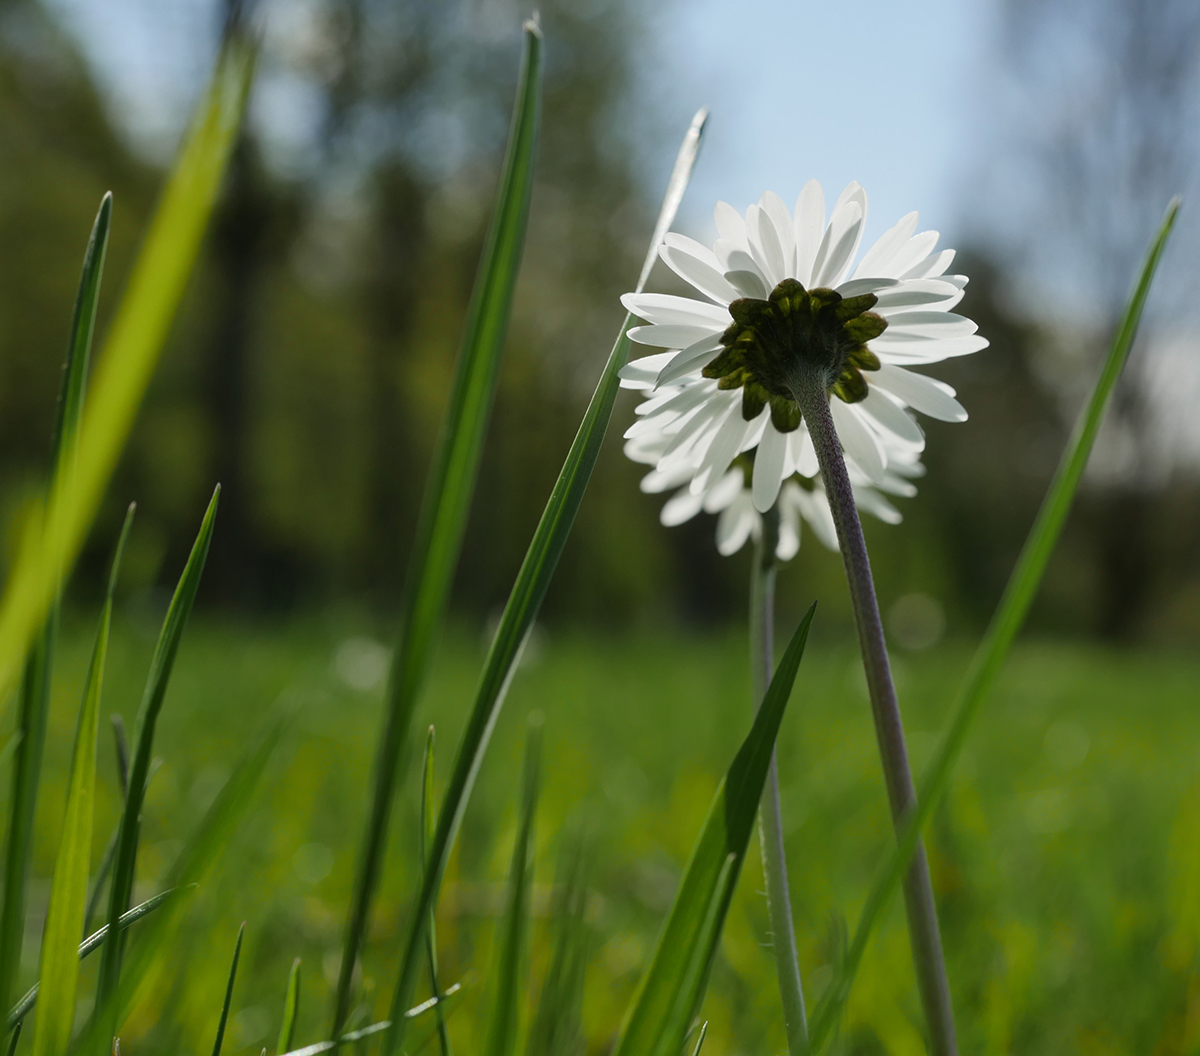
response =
{"points": [[1066, 857]]}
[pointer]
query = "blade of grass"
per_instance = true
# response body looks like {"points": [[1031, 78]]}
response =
{"points": [[505, 1023], [35, 682], [59, 974], [556, 1025], [672, 987], [448, 1002], [125, 862], [110, 850], [428, 823], [1002, 632], [131, 352], [291, 1006], [90, 945], [700, 1039], [237, 953], [525, 600], [447, 499], [198, 854]]}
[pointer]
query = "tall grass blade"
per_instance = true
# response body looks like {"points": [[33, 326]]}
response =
{"points": [[291, 1007], [448, 1002], [672, 988], [556, 1025], [110, 850], [428, 823], [447, 500], [525, 600], [700, 1039], [199, 853], [237, 953], [35, 683], [163, 661], [131, 352], [90, 945], [59, 973], [1002, 632], [502, 1033]]}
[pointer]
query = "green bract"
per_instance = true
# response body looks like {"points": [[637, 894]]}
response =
{"points": [[796, 331]]}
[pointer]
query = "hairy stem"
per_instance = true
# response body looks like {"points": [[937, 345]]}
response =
{"points": [[770, 825], [889, 730]]}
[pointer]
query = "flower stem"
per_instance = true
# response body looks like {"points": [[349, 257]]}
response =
{"points": [[889, 730], [770, 826]]}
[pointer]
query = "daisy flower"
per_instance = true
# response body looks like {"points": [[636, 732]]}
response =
{"points": [[801, 497], [778, 303]]}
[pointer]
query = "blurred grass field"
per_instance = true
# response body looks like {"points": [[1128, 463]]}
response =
{"points": [[1067, 861]]}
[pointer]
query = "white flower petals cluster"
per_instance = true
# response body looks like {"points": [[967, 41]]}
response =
{"points": [[692, 432]]}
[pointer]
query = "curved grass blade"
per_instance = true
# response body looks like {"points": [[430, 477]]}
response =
{"points": [[1002, 632], [198, 854], [447, 1002], [59, 973], [161, 665], [525, 600], [502, 1035], [90, 945], [672, 988], [700, 1039], [237, 953], [12, 1042], [131, 352], [110, 850], [428, 823], [35, 682], [447, 500], [291, 1006]]}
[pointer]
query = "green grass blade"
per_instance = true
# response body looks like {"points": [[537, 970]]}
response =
{"points": [[448, 1002], [502, 1034], [125, 862], [59, 974], [199, 853], [993, 650], [291, 1007], [524, 601], [131, 352], [447, 499], [428, 823], [35, 683], [237, 953], [700, 1040], [90, 945], [110, 850], [556, 1025], [670, 992], [12, 1042]]}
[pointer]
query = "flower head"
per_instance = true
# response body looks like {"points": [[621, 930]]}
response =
{"points": [[780, 302]]}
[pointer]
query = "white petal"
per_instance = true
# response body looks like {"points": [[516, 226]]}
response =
{"points": [[721, 494], [689, 359], [665, 308], [669, 335], [765, 246], [888, 415], [814, 508], [748, 283], [912, 253], [788, 545], [773, 206], [915, 291], [929, 324], [931, 266], [725, 446], [678, 404], [655, 482], [809, 225], [857, 287], [704, 277], [768, 468], [802, 453], [927, 395], [681, 507], [695, 434], [683, 244], [872, 502], [730, 225], [642, 373], [837, 247], [878, 258], [859, 442], [734, 526], [917, 350]]}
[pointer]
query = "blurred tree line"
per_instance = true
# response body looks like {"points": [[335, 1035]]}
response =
{"points": [[309, 368]]}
